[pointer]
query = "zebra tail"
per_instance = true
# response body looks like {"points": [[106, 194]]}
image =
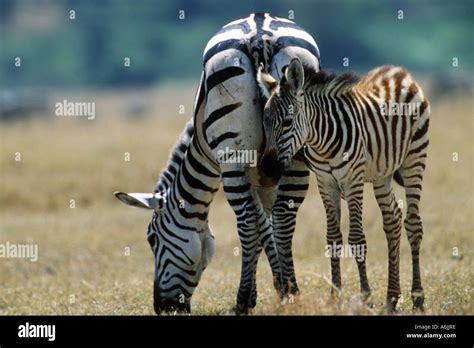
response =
{"points": [[398, 178]]}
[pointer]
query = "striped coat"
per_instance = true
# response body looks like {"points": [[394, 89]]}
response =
{"points": [[354, 131], [224, 145]]}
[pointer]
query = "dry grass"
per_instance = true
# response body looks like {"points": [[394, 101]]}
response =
{"points": [[81, 250]]}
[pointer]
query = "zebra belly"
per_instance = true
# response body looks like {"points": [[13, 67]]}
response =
{"points": [[378, 166], [373, 173], [332, 170]]}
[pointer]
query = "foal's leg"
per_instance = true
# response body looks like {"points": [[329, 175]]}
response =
{"points": [[411, 173], [414, 229], [412, 180], [330, 195], [354, 196], [392, 224]]}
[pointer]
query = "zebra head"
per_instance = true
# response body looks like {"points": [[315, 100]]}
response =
{"points": [[283, 117], [181, 255]]}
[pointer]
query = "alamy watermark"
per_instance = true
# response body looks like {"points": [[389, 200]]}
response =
{"points": [[400, 109], [229, 155], [28, 330], [25, 251], [357, 251], [76, 109]]}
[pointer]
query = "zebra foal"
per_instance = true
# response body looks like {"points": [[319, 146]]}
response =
{"points": [[354, 131]]}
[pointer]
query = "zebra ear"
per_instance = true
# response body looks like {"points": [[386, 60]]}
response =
{"points": [[141, 200], [294, 74], [266, 82]]}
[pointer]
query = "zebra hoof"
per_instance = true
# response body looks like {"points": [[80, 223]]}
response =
{"points": [[240, 310], [418, 308], [335, 292], [391, 307], [388, 309], [368, 302], [277, 284], [295, 291], [365, 297], [418, 299], [288, 293]]}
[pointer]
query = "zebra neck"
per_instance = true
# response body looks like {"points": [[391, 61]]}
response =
{"points": [[194, 186], [329, 120]]}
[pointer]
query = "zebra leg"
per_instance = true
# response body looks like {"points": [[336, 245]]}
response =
{"points": [[356, 234], [411, 173], [291, 192], [330, 195], [392, 224], [253, 229], [254, 293], [265, 195], [414, 228]]}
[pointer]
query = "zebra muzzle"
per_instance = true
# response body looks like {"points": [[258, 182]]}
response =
{"points": [[270, 165], [161, 305]]}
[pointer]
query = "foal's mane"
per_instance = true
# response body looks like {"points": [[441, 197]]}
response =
{"points": [[324, 79]]}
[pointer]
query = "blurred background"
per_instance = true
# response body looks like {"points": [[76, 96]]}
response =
{"points": [[89, 51], [48, 54], [87, 48]]}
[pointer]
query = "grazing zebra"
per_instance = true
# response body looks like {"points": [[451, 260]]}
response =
{"points": [[355, 131], [227, 119]]}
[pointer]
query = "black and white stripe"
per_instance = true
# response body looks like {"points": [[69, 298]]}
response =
{"points": [[356, 131], [228, 113]]}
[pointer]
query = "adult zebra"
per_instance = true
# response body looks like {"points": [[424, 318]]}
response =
{"points": [[228, 119], [369, 130]]}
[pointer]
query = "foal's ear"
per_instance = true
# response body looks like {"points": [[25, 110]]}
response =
{"points": [[141, 200], [266, 82], [294, 75]]}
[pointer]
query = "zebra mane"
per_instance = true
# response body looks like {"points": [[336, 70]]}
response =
{"points": [[176, 158], [325, 80]]}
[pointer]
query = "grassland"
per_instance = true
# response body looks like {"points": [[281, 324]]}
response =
{"points": [[83, 267]]}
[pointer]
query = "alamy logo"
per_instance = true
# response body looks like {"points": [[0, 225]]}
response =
{"points": [[356, 251], [79, 109], [37, 331], [237, 156], [26, 251], [400, 109]]}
